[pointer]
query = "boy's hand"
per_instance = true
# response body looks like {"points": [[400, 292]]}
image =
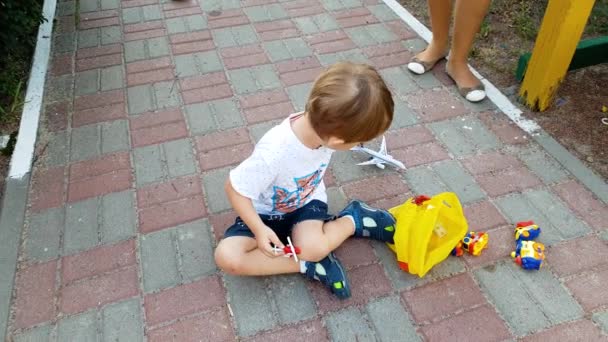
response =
{"points": [[266, 236]]}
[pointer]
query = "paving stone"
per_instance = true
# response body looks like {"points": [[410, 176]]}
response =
{"points": [[335, 5], [370, 35], [87, 82], [234, 36], [426, 80], [464, 136], [460, 327], [93, 140], [195, 244], [197, 64], [307, 331], [579, 255], [336, 200], [420, 154], [403, 115], [88, 38], [601, 318], [146, 49], [528, 301], [97, 261], [316, 23], [159, 260], [423, 180], [218, 5], [582, 330], [399, 80], [254, 79], [186, 24], [355, 56], [38, 334], [167, 160], [594, 212], [543, 165], [555, 219], [81, 229], [591, 180], [391, 321], [88, 6], [590, 290], [383, 12], [59, 88], [184, 300], [109, 173], [64, 43], [265, 13], [109, 4], [152, 97], [291, 48], [484, 214], [34, 295], [292, 298], [213, 115], [373, 189], [432, 302], [141, 14], [80, 327], [44, 233], [96, 292], [346, 169], [65, 8], [459, 181], [123, 321], [257, 131], [403, 280], [56, 150], [211, 326], [110, 35], [349, 325], [84, 230], [299, 95], [250, 304], [213, 182]]}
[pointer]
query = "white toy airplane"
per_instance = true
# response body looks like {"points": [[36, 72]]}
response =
{"points": [[379, 158]]}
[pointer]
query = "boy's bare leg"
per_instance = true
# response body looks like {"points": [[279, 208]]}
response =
{"points": [[239, 255], [316, 239]]}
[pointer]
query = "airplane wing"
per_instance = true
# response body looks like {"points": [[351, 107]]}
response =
{"points": [[371, 162], [383, 146]]}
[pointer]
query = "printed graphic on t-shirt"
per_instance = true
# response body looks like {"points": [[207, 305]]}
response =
{"points": [[285, 200]]}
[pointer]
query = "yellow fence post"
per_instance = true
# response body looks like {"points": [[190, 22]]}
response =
{"points": [[555, 45]]}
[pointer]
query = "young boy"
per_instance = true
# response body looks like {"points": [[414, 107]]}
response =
{"points": [[279, 192]]}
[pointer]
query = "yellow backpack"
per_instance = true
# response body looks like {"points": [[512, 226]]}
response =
{"points": [[427, 230]]}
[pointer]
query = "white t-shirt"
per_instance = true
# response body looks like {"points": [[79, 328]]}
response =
{"points": [[282, 174]]}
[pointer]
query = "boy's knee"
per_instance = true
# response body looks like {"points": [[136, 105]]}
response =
{"points": [[227, 260], [314, 253]]}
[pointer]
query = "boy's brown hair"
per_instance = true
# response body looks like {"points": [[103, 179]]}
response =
{"points": [[351, 102]]}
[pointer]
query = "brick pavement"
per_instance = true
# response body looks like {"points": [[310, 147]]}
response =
{"points": [[149, 103]]}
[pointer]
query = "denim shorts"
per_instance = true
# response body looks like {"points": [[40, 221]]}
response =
{"points": [[282, 225]]}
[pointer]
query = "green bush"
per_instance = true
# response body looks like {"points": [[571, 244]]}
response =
{"points": [[19, 21]]}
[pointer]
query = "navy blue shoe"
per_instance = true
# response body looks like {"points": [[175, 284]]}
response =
{"points": [[330, 272], [372, 223]]}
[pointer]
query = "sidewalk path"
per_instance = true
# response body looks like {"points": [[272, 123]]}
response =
{"points": [[149, 103]]}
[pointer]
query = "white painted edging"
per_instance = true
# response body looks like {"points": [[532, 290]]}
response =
{"points": [[499, 99], [21, 161]]}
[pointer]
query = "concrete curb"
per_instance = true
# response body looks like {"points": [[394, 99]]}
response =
{"points": [[11, 223], [21, 161], [588, 177], [14, 203]]}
